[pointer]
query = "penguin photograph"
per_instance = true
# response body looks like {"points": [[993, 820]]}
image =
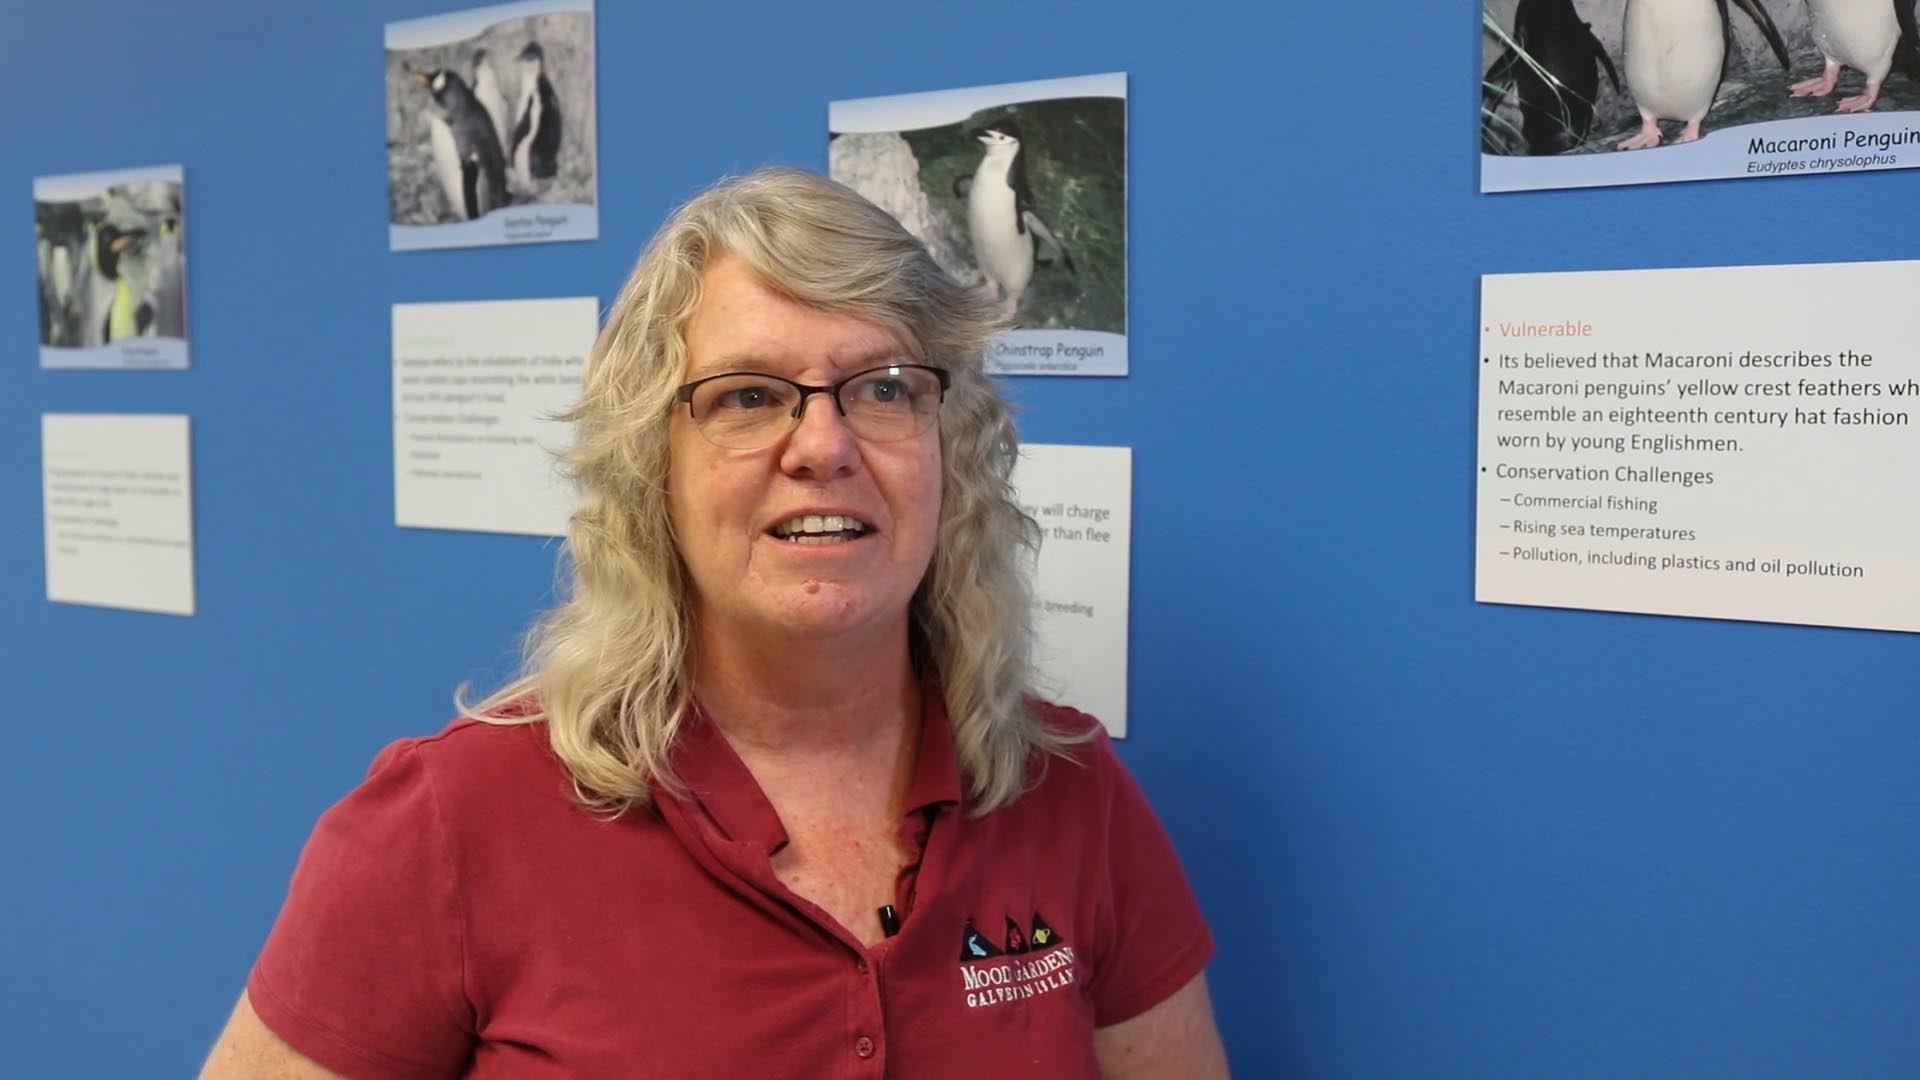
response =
{"points": [[1552, 63], [1014, 189], [490, 122], [111, 262], [1570, 79], [1871, 37]]}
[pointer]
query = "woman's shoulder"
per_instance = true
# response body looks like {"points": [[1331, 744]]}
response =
{"points": [[497, 760], [500, 739], [1080, 751], [1064, 719]]}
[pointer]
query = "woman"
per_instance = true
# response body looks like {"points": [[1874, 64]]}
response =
{"points": [[773, 799]]}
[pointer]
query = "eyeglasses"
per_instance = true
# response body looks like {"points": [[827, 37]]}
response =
{"points": [[746, 410]]}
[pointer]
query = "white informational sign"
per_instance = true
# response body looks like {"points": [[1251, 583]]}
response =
{"points": [[1729, 442], [118, 498], [475, 387], [1082, 496]]}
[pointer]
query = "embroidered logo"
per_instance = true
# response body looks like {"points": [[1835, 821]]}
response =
{"points": [[1016, 941], [975, 946], [990, 976]]}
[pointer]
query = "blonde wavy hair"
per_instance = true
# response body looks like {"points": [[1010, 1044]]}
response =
{"points": [[607, 668]]}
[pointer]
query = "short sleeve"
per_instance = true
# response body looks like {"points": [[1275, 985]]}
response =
{"points": [[363, 971], [1154, 940]]}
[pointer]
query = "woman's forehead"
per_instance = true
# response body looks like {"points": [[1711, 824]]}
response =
{"points": [[741, 323]]}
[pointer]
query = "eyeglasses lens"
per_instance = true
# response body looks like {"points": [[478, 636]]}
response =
{"points": [[749, 411]]}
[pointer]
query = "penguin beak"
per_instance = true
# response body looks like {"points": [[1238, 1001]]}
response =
{"points": [[119, 244], [423, 78]]}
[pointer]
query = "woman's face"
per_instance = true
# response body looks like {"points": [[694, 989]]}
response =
{"points": [[732, 510]]}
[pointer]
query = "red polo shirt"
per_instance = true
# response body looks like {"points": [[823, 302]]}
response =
{"points": [[458, 915]]}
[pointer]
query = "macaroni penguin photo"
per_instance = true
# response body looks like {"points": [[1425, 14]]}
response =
{"points": [[1676, 57], [1554, 61], [1870, 36]]}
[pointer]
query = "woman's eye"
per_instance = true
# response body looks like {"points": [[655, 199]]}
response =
{"points": [[749, 397], [883, 391]]}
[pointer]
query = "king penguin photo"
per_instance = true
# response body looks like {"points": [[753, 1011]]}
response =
{"points": [[63, 238], [535, 143], [466, 151], [1002, 217], [120, 268]]}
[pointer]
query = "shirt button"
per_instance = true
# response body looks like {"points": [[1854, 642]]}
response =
{"points": [[860, 965], [863, 1046]]}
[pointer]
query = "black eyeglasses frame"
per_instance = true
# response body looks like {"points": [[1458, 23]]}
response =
{"points": [[685, 392]]}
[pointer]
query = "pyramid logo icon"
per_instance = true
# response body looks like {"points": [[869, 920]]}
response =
{"points": [[975, 946], [1016, 938], [1043, 936]]}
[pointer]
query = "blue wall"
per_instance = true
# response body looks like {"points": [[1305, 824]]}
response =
{"points": [[1435, 839]]}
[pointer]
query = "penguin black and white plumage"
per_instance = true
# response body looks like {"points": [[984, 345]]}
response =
{"points": [[486, 90], [1003, 218], [62, 238], [1554, 63], [536, 133], [1870, 36], [1676, 55], [475, 172], [446, 159], [43, 260], [121, 266], [166, 290]]}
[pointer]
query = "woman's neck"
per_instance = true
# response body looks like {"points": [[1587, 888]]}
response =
{"points": [[809, 698]]}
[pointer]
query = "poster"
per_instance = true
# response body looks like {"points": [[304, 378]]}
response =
{"points": [[117, 492], [1082, 498], [1019, 190], [1583, 93], [111, 266], [475, 389], [490, 127], [1725, 442]]}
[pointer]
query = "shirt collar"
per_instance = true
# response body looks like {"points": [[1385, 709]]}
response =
{"points": [[722, 785], [936, 775]]}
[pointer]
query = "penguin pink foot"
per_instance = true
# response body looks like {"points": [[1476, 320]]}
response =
{"points": [[1860, 102], [1649, 135], [1819, 86], [1691, 132]]}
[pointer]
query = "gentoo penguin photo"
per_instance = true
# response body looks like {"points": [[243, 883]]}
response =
{"points": [[535, 142], [1002, 217], [1676, 56], [466, 152], [1554, 61], [486, 90], [1870, 36]]}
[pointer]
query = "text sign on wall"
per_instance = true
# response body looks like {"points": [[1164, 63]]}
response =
{"points": [[1732, 442]]}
